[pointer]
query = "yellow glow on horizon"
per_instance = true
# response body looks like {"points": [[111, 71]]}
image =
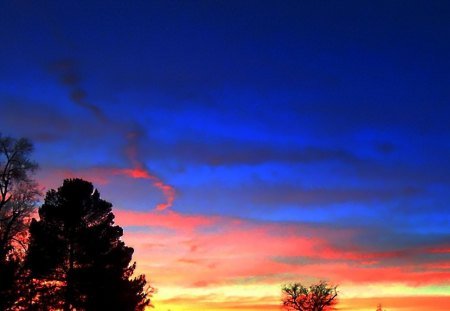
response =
{"points": [[392, 290], [268, 296]]}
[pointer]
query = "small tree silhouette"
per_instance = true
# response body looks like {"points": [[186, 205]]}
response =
{"points": [[318, 297], [76, 258]]}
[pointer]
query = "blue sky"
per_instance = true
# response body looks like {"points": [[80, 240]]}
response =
{"points": [[328, 110]]}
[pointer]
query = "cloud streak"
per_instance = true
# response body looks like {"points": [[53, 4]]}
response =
{"points": [[66, 69], [140, 171], [68, 75]]}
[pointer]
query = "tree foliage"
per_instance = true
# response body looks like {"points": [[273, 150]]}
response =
{"points": [[76, 257], [18, 198], [318, 297]]}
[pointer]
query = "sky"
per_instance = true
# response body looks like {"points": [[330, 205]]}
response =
{"points": [[248, 144]]}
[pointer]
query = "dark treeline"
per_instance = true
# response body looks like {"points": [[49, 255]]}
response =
{"points": [[73, 257]]}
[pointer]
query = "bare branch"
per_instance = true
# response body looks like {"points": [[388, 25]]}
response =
{"points": [[318, 297]]}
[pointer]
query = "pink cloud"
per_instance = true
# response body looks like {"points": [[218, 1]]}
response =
{"points": [[52, 178], [166, 219], [206, 250]]}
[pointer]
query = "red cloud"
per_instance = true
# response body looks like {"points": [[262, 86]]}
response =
{"points": [[141, 173], [245, 251]]}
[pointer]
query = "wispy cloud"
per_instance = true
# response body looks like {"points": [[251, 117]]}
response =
{"points": [[69, 76], [66, 70]]}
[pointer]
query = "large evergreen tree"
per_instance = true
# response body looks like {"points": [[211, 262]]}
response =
{"points": [[76, 258]]}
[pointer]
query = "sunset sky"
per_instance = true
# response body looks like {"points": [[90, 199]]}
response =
{"points": [[248, 144]]}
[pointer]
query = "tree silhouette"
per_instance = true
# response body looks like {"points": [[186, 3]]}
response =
{"points": [[318, 297], [76, 258], [18, 198]]}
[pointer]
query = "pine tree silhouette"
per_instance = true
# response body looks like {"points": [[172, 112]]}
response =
{"points": [[76, 256]]}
